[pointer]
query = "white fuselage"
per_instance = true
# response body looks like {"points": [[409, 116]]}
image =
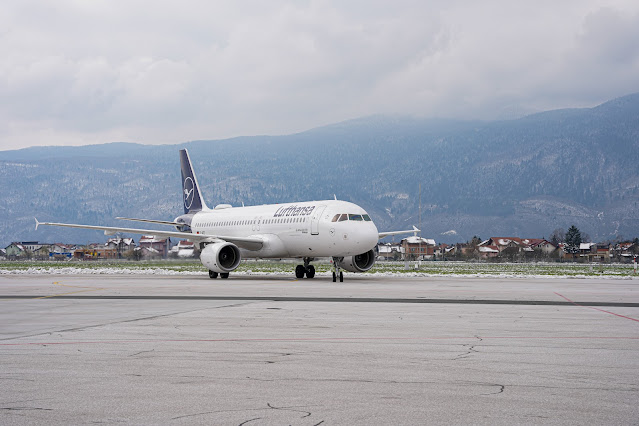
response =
{"points": [[307, 229]]}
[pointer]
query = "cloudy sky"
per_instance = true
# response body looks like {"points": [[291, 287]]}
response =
{"points": [[83, 72]]}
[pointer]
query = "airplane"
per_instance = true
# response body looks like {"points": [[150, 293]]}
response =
{"points": [[305, 230]]}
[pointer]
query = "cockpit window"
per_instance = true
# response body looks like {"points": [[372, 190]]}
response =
{"points": [[353, 217]]}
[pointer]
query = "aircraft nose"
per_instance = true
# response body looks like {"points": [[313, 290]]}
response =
{"points": [[369, 236]]}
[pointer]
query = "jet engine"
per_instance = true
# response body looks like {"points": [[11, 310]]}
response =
{"points": [[220, 257], [358, 263]]}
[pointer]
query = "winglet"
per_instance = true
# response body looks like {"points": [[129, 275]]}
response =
{"points": [[415, 230], [37, 223]]}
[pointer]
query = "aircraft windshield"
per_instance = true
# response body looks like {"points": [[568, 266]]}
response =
{"points": [[350, 216]]}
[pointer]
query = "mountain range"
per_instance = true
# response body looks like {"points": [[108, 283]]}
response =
{"points": [[523, 177]]}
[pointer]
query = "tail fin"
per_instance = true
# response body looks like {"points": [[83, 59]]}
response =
{"points": [[191, 196]]}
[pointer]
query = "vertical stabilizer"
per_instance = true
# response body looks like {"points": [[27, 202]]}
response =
{"points": [[191, 196]]}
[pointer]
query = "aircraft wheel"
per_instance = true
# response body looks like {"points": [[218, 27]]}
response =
{"points": [[224, 275], [299, 271], [341, 277], [334, 277], [310, 271], [212, 274]]}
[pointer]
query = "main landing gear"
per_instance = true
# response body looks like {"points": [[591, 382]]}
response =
{"points": [[305, 269], [213, 275], [336, 269]]}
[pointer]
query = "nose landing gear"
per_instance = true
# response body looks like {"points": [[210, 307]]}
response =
{"points": [[336, 269]]}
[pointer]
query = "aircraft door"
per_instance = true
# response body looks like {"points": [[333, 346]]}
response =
{"points": [[315, 218]]}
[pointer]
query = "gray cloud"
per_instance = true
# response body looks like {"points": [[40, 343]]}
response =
{"points": [[93, 72]]}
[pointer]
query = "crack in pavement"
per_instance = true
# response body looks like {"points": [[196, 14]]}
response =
{"points": [[501, 390], [456, 383], [248, 409], [308, 413], [141, 352], [247, 421], [86, 327], [471, 349], [26, 409]]}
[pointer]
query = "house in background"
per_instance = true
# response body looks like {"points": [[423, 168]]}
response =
{"points": [[183, 249], [487, 252], [161, 245], [120, 245], [148, 253], [43, 252], [15, 250], [542, 245], [511, 246], [59, 251], [418, 248], [389, 251], [593, 252]]}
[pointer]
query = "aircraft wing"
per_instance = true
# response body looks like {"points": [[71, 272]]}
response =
{"points": [[249, 243], [387, 234]]}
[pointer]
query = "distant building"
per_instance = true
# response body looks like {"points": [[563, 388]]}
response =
{"points": [[593, 252], [516, 245], [15, 250], [31, 245], [43, 252], [184, 249], [120, 245], [95, 252], [544, 246], [148, 252], [625, 251], [418, 248], [21, 249], [486, 251], [59, 251], [508, 244], [389, 251], [161, 245]]}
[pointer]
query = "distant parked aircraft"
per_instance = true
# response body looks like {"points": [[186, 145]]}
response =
{"points": [[304, 230]]}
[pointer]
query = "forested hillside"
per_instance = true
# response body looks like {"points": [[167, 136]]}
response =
{"points": [[521, 177]]}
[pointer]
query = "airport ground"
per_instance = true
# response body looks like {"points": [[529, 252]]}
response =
{"points": [[273, 350]]}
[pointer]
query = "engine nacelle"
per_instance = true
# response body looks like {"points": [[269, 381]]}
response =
{"points": [[358, 263], [221, 257]]}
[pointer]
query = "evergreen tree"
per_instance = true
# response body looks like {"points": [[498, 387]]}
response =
{"points": [[573, 239]]}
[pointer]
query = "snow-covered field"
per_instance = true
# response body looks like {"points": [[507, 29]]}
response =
{"points": [[426, 269]]}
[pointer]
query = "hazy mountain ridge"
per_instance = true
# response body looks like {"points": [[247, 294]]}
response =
{"points": [[521, 177]]}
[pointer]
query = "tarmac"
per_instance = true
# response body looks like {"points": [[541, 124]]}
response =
{"points": [[274, 350]]}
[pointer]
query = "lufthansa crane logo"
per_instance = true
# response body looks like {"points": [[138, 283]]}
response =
{"points": [[189, 186]]}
